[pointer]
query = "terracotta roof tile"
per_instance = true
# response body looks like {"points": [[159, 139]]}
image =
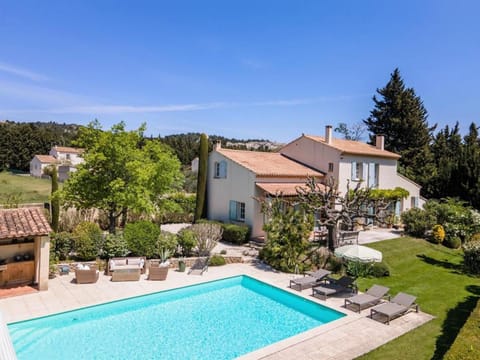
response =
{"points": [[71, 150], [355, 147], [269, 163], [286, 189], [46, 159], [23, 222]]}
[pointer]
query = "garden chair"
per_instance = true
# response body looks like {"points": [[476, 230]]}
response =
{"points": [[398, 306], [371, 297]]}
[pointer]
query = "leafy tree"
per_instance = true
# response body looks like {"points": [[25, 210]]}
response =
{"points": [[121, 172], [400, 116], [447, 150], [469, 167], [287, 231], [202, 178]]}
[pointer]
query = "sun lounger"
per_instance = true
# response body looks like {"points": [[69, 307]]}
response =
{"points": [[371, 297], [398, 306], [305, 282], [345, 283], [199, 266]]}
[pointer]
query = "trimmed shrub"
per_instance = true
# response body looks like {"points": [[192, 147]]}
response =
{"points": [[380, 269], [166, 242], [359, 269], [141, 237], [88, 240], [236, 234], [453, 242], [334, 264], [187, 241], [61, 245], [438, 234], [217, 260], [471, 257], [417, 221], [115, 245]]}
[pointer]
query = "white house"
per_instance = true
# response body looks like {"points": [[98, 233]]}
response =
{"points": [[236, 177], [39, 163], [67, 155], [67, 158]]}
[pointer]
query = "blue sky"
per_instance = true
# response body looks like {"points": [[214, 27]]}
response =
{"points": [[245, 69]]}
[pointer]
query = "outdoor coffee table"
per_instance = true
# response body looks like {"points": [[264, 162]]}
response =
{"points": [[132, 274]]}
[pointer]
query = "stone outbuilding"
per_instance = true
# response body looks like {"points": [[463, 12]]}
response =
{"points": [[24, 247]]}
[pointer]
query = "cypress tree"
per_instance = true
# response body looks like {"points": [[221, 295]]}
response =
{"points": [[400, 116], [52, 171], [202, 178]]}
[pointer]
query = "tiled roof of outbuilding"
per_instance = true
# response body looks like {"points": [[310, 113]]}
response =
{"points": [[23, 222], [269, 164]]}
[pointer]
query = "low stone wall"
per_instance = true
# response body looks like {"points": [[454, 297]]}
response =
{"points": [[191, 260]]}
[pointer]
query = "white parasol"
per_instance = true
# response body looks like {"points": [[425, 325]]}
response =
{"points": [[358, 253]]}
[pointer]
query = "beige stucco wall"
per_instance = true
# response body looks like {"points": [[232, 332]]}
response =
{"points": [[74, 158], [313, 154], [42, 261], [239, 185]]}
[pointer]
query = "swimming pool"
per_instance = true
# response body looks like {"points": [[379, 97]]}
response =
{"points": [[220, 319]]}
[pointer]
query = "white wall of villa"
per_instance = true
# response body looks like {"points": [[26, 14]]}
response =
{"points": [[64, 155], [37, 166], [238, 185]]}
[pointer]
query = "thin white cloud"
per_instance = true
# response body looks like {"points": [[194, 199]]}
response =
{"points": [[98, 109], [21, 72]]}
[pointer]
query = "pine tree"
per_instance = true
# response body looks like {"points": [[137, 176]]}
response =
{"points": [[400, 116], [469, 168], [54, 201], [202, 178]]}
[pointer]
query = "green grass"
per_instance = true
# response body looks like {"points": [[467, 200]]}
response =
{"points": [[433, 274], [23, 189], [467, 344]]}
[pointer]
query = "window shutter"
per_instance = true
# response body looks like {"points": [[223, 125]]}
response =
{"points": [[233, 210], [354, 170], [223, 169], [371, 175]]}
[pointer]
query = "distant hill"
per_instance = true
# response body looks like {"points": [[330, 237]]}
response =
{"points": [[19, 142], [186, 146]]}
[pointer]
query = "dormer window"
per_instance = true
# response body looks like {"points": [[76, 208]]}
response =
{"points": [[220, 170]]}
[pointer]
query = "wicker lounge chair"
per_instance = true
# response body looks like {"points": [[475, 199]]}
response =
{"points": [[313, 279], [371, 297], [398, 306], [345, 283], [86, 276], [199, 266]]}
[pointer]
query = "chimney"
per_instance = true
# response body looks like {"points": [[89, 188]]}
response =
{"points": [[328, 134], [380, 142], [218, 145]]}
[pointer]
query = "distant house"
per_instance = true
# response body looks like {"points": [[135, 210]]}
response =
{"points": [[39, 163], [66, 158], [235, 177], [194, 165]]}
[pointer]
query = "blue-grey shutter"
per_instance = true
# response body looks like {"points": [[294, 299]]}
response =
{"points": [[371, 175], [223, 169], [233, 210]]}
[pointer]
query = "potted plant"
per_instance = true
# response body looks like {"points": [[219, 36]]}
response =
{"points": [[181, 264], [160, 272]]}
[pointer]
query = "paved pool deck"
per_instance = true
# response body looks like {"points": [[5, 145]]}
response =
{"points": [[346, 338]]}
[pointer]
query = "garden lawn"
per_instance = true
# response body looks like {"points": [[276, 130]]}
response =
{"points": [[23, 189], [433, 274]]}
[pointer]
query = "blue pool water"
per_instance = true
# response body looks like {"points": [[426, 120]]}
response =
{"points": [[216, 320]]}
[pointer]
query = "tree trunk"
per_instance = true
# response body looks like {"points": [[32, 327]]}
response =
{"points": [[123, 221], [332, 237], [112, 219], [202, 178]]}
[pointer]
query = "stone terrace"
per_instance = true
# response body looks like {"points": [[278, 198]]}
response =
{"points": [[346, 338]]}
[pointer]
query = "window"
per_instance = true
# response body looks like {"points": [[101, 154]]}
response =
{"points": [[220, 170], [68, 156], [357, 171], [330, 167], [414, 202], [373, 170], [237, 211]]}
